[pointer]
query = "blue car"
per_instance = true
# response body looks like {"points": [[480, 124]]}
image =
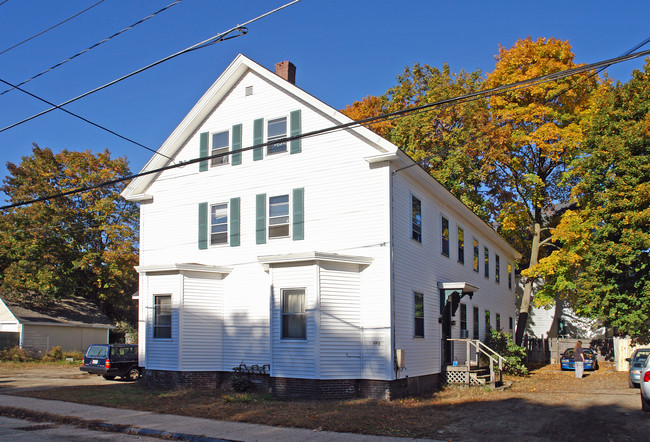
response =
{"points": [[591, 363]]}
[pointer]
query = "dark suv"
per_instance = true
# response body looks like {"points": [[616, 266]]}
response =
{"points": [[111, 360]]}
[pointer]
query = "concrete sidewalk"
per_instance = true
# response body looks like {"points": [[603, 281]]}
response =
{"points": [[182, 427]]}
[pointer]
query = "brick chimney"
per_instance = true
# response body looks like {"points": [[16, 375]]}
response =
{"points": [[286, 70]]}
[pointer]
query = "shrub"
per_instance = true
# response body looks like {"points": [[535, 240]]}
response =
{"points": [[240, 382], [17, 354], [514, 355], [54, 354], [75, 355]]}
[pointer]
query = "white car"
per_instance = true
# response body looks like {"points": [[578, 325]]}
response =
{"points": [[644, 383]]}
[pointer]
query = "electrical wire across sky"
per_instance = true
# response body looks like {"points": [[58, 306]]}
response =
{"points": [[397, 114]]}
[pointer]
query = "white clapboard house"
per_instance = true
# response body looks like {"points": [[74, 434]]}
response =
{"points": [[326, 261]]}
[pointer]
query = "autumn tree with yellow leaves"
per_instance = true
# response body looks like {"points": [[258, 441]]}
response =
{"points": [[535, 133]]}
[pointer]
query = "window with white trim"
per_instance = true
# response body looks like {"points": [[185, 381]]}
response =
{"points": [[461, 246], [279, 216], [162, 321], [220, 145], [294, 316], [476, 257], [276, 130], [418, 315], [486, 261], [444, 232], [497, 269], [416, 219], [219, 224]]}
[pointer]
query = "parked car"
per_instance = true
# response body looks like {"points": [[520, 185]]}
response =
{"points": [[566, 361], [644, 383], [112, 360], [637, 362]]}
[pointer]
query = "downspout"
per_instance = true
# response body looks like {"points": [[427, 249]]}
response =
{"points": [[392, 271]]}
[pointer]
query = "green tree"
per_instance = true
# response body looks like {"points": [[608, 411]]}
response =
{"points": [[535, 132], [79, 245], [603, 265]]}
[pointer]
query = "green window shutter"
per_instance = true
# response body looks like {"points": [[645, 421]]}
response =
{"points": [[296, 129], [204, 147], [234, 222], [203, 226], [260, 219], [236, 144], [298, 214], [258, 137]]}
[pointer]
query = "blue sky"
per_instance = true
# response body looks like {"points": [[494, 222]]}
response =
{"points": [[343, 50]]}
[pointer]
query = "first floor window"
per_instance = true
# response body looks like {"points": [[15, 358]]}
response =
{"points": [[418, 315], [279, 216], [162, 321], [220, 143], [510, 323], [294, 318], [445, 236], [416, 219], [487, 323], [276, 130], [219, 224], [498, 318], [476, 325]]}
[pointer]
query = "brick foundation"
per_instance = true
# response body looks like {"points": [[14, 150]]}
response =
{"points": [[295, 388]]}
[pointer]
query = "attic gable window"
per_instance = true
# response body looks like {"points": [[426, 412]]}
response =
{"points": [[220, 144], [276, 130]]}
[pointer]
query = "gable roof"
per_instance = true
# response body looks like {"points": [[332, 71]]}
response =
{"points": [[70, 312], [240, 66]]}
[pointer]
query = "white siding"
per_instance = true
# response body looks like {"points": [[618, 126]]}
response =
{"points": [[162, 354], [419, 267], [340, 349], [295, 358], [202, 323]]}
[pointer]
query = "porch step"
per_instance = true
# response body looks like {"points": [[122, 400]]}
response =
{"points": [[460, 374]]}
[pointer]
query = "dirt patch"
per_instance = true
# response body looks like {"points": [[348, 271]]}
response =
{"points": [[548, 405], [30, 377]]}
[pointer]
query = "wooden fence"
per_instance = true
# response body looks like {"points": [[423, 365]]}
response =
{"points": [[549, 350]]}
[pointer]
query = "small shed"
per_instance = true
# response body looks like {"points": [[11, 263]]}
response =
{"points": [[72, 323]]}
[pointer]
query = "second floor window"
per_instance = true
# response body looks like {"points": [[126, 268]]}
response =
{"points": [[416, 219], [445, 236], [276, 130], [486, 259], [475, 255], [497, 269], [279, 216], [220, 144], [219, 224], [461, 246]]}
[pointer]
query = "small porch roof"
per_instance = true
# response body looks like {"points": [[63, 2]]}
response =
{"points": [[462, 286]]}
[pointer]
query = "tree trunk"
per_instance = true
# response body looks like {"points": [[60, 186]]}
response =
{"points": [[528, 288]]}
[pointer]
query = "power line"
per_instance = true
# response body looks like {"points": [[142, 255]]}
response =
{"points": [[203, 44], [51, 27], [397, 114], [84, 119], [93, 46], [3, 2]]}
